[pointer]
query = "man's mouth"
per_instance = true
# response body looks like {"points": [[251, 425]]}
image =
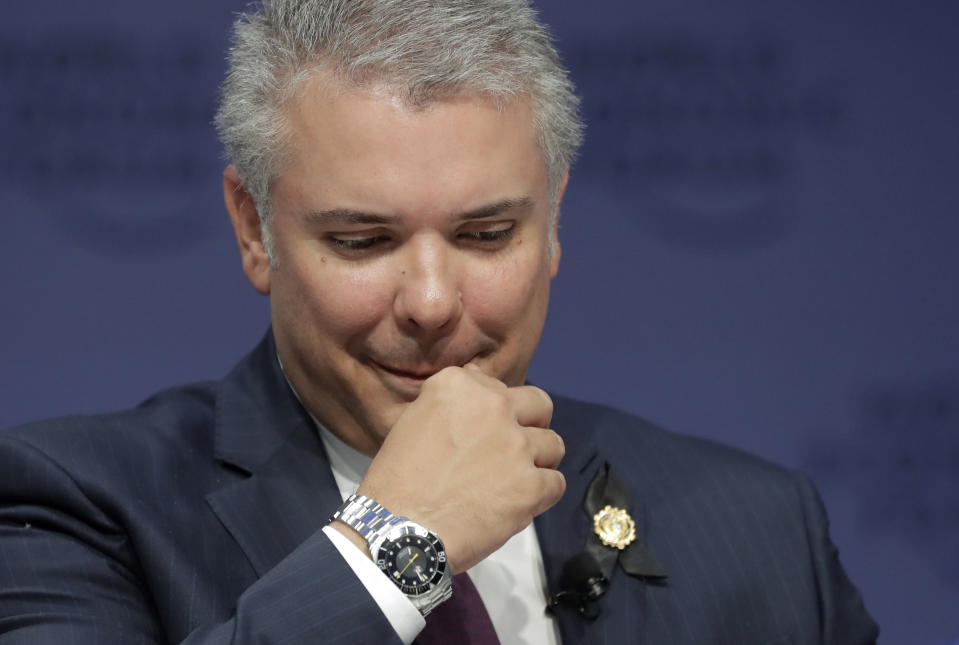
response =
{"points": [[414, 374], [420, 372], [408, 378], [404, 373]]}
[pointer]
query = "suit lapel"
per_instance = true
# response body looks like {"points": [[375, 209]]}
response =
{"points": [[562, 532], [263, 431]]}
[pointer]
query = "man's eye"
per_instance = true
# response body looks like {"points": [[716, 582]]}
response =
{"points": [[490, 235], [358, 243]]}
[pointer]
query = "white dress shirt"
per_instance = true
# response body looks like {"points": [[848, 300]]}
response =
{"points": [[511, 581]]}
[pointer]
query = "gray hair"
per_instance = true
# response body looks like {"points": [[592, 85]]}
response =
{"points": [[426, 49]]}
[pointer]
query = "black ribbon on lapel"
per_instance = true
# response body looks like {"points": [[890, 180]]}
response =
{"points": [[635, 559], [585, 576]]}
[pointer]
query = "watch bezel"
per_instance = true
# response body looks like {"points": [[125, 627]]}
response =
{"points": [[394, 538]]}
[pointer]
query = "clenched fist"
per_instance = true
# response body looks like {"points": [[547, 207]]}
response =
{"points": [[470, 459]]}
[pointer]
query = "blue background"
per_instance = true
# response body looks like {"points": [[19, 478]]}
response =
{"points": [[758, 241]]}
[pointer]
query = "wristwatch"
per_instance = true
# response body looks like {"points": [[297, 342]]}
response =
{"points": [[410, 555]]}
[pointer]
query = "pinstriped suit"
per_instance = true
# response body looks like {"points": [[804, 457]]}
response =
{"points": [[195, 518]]}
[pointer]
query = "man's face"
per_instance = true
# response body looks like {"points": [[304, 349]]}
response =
{"points": [[406, 241]]}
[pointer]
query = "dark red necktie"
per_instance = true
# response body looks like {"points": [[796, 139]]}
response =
{"points": [[461, 620]]}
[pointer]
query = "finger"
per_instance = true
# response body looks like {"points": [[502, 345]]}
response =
{"points": [[531, 405], [546, 447], [475, 373], [552, 487]]}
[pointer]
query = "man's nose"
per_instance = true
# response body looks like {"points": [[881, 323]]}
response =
{"points": [[428, 300]]}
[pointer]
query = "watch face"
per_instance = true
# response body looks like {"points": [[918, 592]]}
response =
{"points": [[413, 558]]}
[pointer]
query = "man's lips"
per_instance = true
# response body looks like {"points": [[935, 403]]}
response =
{"points": [[406, 382], [415, 373]]}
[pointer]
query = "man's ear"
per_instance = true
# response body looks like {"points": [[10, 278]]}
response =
{"points": [[557, 251], [246, 225]]}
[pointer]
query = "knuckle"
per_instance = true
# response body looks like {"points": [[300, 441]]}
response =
{"points": [[546, 397], [445, 375], [447, 379], [560, 441], [517, 442], [498, 402], [560, 484]]}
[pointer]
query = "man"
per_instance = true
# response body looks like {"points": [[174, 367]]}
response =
{"points": [[398, 167]]}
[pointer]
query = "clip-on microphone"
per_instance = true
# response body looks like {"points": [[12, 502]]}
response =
{"points": [[581, 583]]}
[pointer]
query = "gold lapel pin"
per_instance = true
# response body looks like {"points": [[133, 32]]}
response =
{"points": [[614, 527]]}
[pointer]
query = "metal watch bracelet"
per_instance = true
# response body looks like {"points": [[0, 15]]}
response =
{"points": [[377, 525], [366, 516]]}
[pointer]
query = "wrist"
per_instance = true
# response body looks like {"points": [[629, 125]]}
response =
{"points": [[353, 536]]}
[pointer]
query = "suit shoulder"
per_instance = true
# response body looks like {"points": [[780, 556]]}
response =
{"points": [[633, 440], [176, 418]]}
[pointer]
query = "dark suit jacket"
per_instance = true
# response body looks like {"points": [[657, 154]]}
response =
{"points": [[195, 517]]}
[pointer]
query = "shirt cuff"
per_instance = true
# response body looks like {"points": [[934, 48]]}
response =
{"points": [[405, 619]]}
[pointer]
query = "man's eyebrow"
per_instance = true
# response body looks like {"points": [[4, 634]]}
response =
{"points": [[350, 216], [498, 208]]}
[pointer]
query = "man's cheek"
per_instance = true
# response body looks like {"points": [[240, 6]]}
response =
{"points": [[345, 311]]}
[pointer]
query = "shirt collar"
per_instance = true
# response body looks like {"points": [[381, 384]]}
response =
{"points": [[349, 466]]}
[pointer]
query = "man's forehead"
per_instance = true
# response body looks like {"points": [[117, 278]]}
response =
{"points": [[368, 150]]}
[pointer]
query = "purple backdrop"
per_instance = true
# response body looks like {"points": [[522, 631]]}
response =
{"points": [[758, 241]]}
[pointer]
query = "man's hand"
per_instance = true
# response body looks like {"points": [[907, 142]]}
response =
{"points": [[472, 460]]}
